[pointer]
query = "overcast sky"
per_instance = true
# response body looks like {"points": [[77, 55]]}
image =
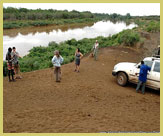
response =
{"points": [[120, 8]]}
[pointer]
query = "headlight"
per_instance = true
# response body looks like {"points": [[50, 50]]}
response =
{"points": [[115, 67]]}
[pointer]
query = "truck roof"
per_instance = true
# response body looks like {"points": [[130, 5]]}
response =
{"points": [[152, 58]]}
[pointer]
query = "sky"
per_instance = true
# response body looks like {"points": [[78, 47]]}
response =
{"points": [[135, 9]]}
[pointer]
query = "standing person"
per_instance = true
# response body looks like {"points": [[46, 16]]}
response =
{"points": [[95, 49], [57, 60], [15, 56], [10, 65], [158, 52], [78, 56], [142, 77]]}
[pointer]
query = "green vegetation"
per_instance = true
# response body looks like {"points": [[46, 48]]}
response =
{"points": [[40, 14], [22, 17], [16, 18], [22, 23], [153, 26], [128, 37], [148, 25]]}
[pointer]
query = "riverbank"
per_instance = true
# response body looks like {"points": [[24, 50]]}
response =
{"points": [[40, 29], [40, 57], [57, 22]]}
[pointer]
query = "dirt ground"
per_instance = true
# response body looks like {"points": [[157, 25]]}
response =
{"points": [[90, 101]]}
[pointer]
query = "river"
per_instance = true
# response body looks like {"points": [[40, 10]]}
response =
{"points": [[25, 39]]}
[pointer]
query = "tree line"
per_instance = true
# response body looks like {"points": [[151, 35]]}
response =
{"points": [[11, 13], [22, 17]]}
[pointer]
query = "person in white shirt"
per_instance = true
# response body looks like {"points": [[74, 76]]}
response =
{"points": [[57, 60], [95, 49]]}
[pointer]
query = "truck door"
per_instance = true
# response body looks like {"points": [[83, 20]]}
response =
{"points": [[134, 73], [153, 78]]}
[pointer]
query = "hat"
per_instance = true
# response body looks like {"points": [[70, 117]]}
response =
{"points": [[158, 46]]}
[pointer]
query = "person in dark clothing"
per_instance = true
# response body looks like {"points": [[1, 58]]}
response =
{"points": [[158, 53], [142, 77], [10, 65], [78, 56]]}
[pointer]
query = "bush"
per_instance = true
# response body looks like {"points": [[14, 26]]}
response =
{"points": [[153, 27], [128, 37]]}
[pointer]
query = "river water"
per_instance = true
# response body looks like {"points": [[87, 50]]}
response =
{"points": [[26, 38]]}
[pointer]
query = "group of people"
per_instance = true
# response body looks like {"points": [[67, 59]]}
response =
{"points": [[12, 57], [57, 60]]}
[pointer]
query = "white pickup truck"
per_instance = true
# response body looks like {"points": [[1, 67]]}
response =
{"points": [[126, 71]]}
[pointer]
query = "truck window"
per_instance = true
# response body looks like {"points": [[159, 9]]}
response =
{"points": [[157, 67], [148, 63]]}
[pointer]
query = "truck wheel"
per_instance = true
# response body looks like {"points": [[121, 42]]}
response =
{"points": [[121, 79]]}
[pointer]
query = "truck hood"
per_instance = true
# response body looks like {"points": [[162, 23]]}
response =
{"points": [[124, 65]]}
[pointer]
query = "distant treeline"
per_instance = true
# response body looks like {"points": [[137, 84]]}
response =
{"points": [[21, 17], [40, 14], [13, 14]]}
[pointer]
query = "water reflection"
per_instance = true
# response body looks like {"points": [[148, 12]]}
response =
{"points": [[47, 29], [36, 36]]}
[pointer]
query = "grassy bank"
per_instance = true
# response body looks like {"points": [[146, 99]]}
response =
{"points": [[40, 57], [148, 25], [25, 23]]}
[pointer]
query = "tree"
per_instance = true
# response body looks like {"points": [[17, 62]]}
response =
{"points": [[128, 16]]}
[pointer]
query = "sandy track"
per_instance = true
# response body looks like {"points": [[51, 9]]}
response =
{"points": [[89, 101]]}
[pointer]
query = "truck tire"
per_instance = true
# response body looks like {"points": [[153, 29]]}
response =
{"points": [[121, 79]]}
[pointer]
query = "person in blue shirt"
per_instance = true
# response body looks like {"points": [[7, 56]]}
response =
{"points": [[142, 77], [57, 60]]}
